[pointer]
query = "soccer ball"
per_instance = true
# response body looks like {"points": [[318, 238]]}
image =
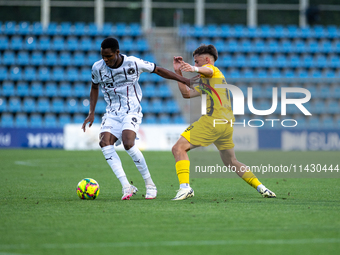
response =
{"points": [[88, 188]]}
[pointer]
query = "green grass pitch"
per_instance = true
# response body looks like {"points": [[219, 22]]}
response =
{"points": [[42, 214]]}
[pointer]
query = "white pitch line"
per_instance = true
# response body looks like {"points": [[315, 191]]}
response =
{"points": [[176, 243]]}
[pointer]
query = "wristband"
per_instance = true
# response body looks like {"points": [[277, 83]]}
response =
{"points": [[196, 69]]}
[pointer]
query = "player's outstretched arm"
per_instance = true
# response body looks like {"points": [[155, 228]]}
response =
{"points": [[167, 74], [187, 92], [93, 102], [206, 71]]}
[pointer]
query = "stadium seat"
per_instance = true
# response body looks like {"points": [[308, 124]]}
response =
{"points": [[135, 29], [156, 106], [320, 61], [145, 106], [294, 61], [332, 107], [51, 58], [71, 43], [64, 59], [91, 58], [44, 74], [16, 43], [57, 105], [29, 105], [84, 74], [57, 43], [84, 106], [280, 61], [273, 46], [22, 89], [150, 119], [52, 29], [328, 123], [171, 107], [78, 118], [285, 46], [14, 105], [101, 106], [8, 58], [78, 58], [299, 46], [81, 90], [163, 91], [7, 89], [10, 28], [92, 29], [64, 119], [149, 90], [37, 58], [312, 46], [79, 28], [30, 74], [36, 89], [58, 74], [332, 31], [65, 28], [86, 44], [3, 105], [35, 121], [15, 73], [164, 119], [37, 28], [23, 58], [44, 43], [3, 42], [319, 32], [51, 89], [325, 46], [7, 120], [50, 121], [65, 89], [43, 105], [178, 119], [141, 45], [30, 43], [240, 60], [21, 120], [71, 105]]}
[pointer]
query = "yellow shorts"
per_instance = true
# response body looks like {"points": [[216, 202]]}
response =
{"points": [[203, 133]]}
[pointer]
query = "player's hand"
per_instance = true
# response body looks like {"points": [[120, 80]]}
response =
{"points": [[185, 67], [195, 80], [177, 62], [89, 118]]}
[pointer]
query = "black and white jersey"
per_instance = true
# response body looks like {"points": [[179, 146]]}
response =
{"points": [[120, 87]]}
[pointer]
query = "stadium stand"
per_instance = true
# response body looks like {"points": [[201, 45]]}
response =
{"points": [[45, 74]]}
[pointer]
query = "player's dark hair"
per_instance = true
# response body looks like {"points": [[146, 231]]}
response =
{"points": [[110, 43], [206, 49]]}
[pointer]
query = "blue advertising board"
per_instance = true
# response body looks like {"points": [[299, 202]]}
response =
{"points": [[31, 138]]}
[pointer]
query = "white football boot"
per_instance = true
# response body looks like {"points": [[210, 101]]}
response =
{"points": [[151, 192], [129, 191], [184, 193], [267, 193]]}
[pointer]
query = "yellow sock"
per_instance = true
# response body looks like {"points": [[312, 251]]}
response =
{"points": [[182, 170], [251, 179]]}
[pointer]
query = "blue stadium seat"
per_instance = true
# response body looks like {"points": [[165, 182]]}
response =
{"points": [[333, 61], [71, 105], [280, 61], [127, 44], [44, 43], [50, 121], [58, 43], [36, 89], [78, 58], [253, 61], [149, 91], [332, 107], [259, 46], [58, 74], [15, 73], [163, 91], [3, 105], [171, 106], [22, 89], [97, 43], [318, 107], [156, 105], [29, 105], [84, 74], [51, 58], [35, 121], [164, 119], [325, 46], [192, 44], [178, 119], [86, 44], [150, 119], [246, 45], [292, 31], [78, 118], [328, 73], [312, 46], [107, 29], [324, 92], [279, 31], [336, 92], [286, 46], [81, 90], [101, 106], [141, 45], [294, 61], [84, 106], [30, 74], [3, 42], [37, 58], [52, 29], [92, 29], [135, 29], [16, 43], [7, 89], [306, 32], [65, 28], [57, 105], [301, 122], [23, 58], [21, 120], [266, 61], [319, 32], [43, 105], [3, 73], [288, 73], [30, 43], [44, 74], [219, 44], [121, 29], [315, 73], [145, 106], [64, 119], [79, 28], [65, 89], [7, 120], [332, 31], [10, 28], [64, 58], [299, 46], [51, 89], [247, 73], [8, 58], [240, 60], [14, 104], [37, 28], [91, 58], [307, 61], [320, 61], [328, 123], [261, 73], [71, 43], [273, 46]]}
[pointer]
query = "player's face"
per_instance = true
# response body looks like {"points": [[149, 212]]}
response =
{"points": [[111, 58], [200, 60]]}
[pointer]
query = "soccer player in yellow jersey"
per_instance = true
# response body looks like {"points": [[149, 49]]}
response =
{"points": [[203, 132]]}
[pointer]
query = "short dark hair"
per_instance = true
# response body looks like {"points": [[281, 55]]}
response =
{"points": [[206, 49], [111, 43]]}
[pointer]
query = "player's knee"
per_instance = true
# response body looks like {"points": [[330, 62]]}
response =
{"points": [[128, 145], [103, 143]]}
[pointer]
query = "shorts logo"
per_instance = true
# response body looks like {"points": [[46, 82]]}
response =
{"points": [[131, 71], [134, 119]]}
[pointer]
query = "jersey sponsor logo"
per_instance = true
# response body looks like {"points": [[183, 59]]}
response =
{"points": [[131, 71], [189, 128]]}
